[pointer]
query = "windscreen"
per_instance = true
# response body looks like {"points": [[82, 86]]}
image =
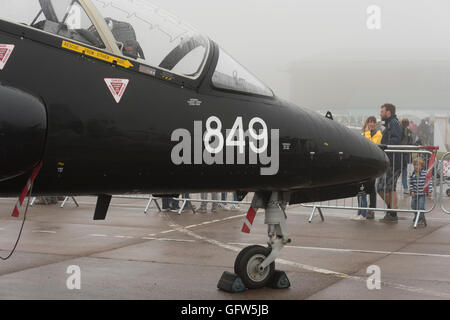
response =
{"points": [[230, 75]]}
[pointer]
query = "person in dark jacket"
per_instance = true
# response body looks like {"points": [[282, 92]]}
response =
{"points": [[392, 135], [407, 139]]}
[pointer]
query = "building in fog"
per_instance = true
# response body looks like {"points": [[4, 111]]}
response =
{"points": [[344, 84]]}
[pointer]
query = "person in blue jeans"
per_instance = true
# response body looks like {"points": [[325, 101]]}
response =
{"points": [[418, 188], [203, 205], [362, 203]]}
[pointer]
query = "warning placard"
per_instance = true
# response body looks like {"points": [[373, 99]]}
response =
{"points": [[117, 87], [5, 52]]}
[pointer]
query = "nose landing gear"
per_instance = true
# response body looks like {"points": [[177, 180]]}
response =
{"points": [[254, 266]]}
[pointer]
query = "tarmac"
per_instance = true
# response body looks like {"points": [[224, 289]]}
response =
{"points": [[163, 255]]}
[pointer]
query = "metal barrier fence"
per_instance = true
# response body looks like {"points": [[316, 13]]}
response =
{"points": [[444, 180], [45, 200], [154, 199], [186, 200], [419, 205]]}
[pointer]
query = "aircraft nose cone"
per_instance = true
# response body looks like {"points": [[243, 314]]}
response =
{"points": [[23, 125], [342, 156], [377, 160], [363, 159]]}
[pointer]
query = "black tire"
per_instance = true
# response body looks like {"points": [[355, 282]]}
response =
{"points": [[245, 266], [239, 257], [448, 192]]}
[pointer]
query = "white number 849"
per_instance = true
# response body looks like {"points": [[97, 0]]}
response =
{"points": [[236, 136]]}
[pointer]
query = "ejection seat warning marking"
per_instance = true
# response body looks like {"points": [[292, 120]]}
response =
{"points": [[117, 87], [96, 54], [5, 52]]}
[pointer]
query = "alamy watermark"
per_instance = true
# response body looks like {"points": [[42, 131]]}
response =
{"points": [[73, 19], [373, 282], [73, 282], [374, 17]]}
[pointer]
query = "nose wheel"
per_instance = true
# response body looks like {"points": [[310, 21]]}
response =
{"points": [[247, 267], [254, 266]]}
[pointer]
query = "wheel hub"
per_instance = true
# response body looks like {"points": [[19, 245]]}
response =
{"points": [[253, 270]]}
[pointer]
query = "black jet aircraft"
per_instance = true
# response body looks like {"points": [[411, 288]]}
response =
{"points": [[103, 97]]}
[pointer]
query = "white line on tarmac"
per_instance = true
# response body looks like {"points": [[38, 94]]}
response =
{"points": [[167, 239], [358, 251], [43, 231], [176, 227], [176, 240], [233, 217], [143, 238], [375, 252], [350, 215], [152, 236]]}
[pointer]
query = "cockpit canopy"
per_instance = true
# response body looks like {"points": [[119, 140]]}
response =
{"points": [[136, 30]]}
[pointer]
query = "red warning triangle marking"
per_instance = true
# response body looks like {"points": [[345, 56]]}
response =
{"points": [[5, 52], [117, 87]]}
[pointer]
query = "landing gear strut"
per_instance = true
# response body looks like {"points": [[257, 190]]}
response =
{"points": [[254, 266]]}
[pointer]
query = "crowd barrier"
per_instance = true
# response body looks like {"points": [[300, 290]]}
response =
{"points": [[152, 199], [44, 199], [444, 181], [186, 200]]}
